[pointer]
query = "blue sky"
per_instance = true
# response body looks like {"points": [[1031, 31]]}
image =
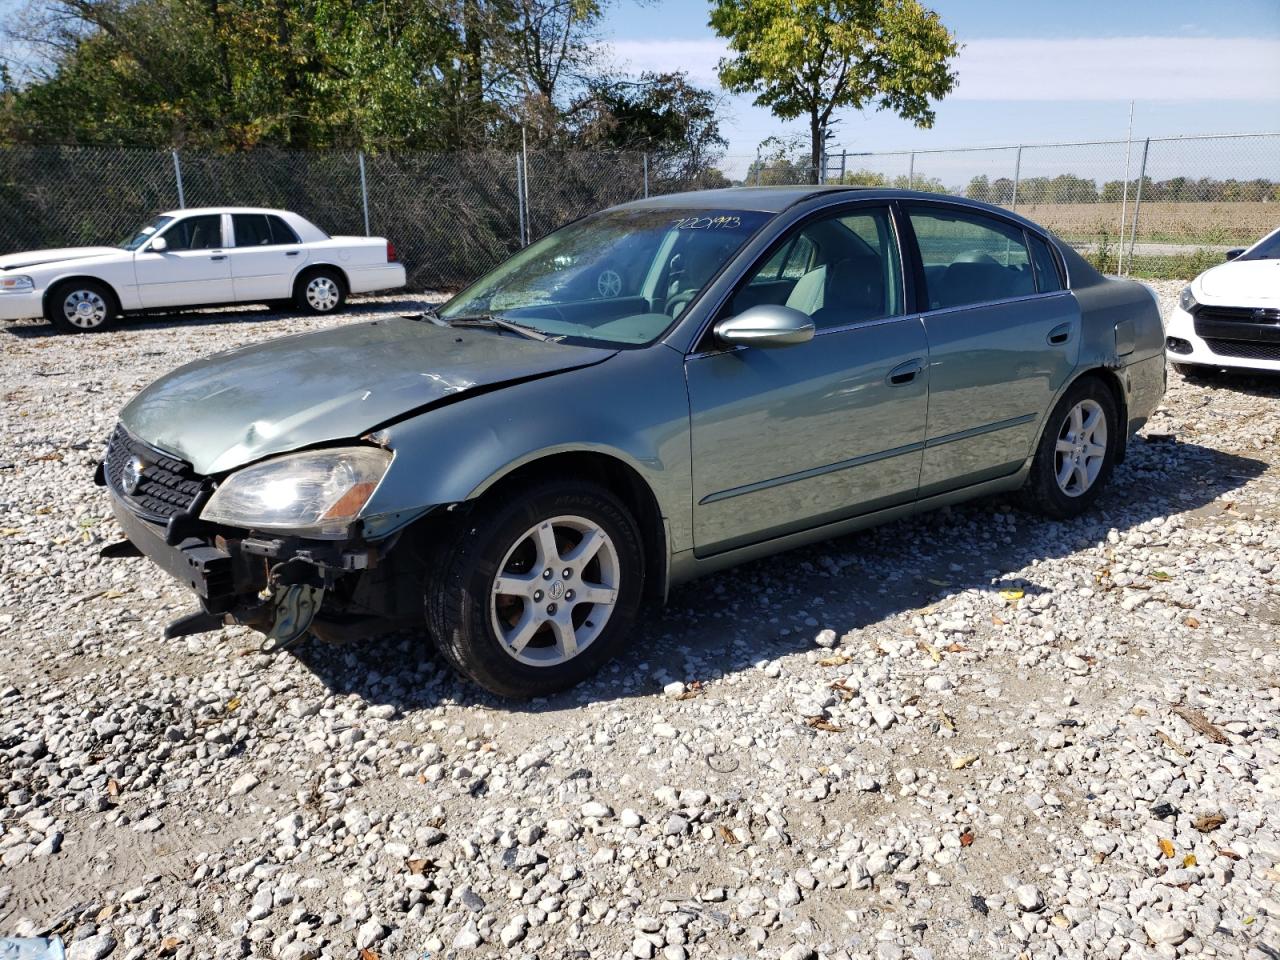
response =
{"points": [[1030, 71]]}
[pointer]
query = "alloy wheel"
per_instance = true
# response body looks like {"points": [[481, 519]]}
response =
{"points": [[1081, 449], [555, 591]]}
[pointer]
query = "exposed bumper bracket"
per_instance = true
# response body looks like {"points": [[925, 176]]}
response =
{"points": [[198, 621]]}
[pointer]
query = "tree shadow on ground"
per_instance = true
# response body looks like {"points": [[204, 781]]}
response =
{"points": [[224, 317], [725, 623]]}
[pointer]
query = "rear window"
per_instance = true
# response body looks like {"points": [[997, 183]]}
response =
{"points": [[970, 258], [261, 229]]}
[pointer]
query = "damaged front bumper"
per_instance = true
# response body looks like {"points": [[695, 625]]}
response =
{"points": [[275, 585]]}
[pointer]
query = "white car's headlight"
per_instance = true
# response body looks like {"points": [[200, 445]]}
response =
{"points": [[1186, 301], [16, 284], [316, 494]]}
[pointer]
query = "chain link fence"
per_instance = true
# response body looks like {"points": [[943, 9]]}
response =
{"points": [[1158, 207], [1161, 207]]}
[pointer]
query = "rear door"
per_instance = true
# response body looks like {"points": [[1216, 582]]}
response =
{"points": [[788, 438], [265, 256], [1003, 338], [193, 269]]}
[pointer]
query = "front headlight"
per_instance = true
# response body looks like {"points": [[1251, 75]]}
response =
{"points": [[1186, 301], [316, 494], [16, 284]]}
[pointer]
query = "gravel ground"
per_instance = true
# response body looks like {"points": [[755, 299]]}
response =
{"points": [[973, 733]]}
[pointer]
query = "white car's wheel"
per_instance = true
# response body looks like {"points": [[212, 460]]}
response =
{"points": [[81, 306], [320, 291]]}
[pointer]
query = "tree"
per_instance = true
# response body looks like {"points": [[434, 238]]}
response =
{"points": [[812, 57]]}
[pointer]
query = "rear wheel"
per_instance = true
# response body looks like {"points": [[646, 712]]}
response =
{"points": [[320, 292], [81, 306], [1076, 453], [536, 593]]}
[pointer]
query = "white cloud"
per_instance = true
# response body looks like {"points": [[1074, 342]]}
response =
{"points": [[1112, 68]]}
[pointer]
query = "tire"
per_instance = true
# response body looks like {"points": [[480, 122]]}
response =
{"points": [[320, 292], [82, 306], [1043, 492], [464, 610]]}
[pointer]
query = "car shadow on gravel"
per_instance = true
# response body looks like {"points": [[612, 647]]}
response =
{"points": [[726, 623], [1252, 384], [228, 316]]}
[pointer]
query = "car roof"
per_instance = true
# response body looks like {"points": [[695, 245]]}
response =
{"points": [[186, 211], [778, 199], [763, 199]]}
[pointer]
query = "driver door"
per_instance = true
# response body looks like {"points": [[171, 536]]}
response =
{"points": [[793, 437], [193, 269]]}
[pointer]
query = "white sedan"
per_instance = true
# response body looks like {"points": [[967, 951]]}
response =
{"points": [[199, 257], [1229, 316]]}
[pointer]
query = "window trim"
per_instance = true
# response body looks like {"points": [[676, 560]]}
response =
{"points": [[232, 231], [917, 261], [702, 348]]}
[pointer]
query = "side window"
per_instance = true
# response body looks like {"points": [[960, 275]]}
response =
{"points": [[281, 232], [203, 232], [970, 258], [251, 229], [1048, 278], [839, 270]]}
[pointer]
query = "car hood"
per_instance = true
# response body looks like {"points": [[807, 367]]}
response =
{"points": [[232, 408], [38, 258], [1241, 283]]}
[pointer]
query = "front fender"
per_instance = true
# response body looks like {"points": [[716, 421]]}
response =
{"points": [[632, 407]]}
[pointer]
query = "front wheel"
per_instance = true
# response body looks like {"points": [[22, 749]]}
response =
{"points": [[82, 306], [1076, 453], [538, 590], [320, 292]]}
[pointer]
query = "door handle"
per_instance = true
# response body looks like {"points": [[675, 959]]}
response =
{"points": [[291, 253], [1060, 334], [218, 256], [904, 373]]}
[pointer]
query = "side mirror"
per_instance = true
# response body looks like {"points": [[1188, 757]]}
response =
{"points": [[159, 245], [1232, 254], [765, 325]]}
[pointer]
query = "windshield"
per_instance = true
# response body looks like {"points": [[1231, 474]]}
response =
{"points": [[618, 277], [1268, 248], [146, 233]]}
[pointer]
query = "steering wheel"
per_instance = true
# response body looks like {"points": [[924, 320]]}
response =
{"points": [[680, 301]]}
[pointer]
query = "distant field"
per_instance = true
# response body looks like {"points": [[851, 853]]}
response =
{"points": [[1209, 224]]}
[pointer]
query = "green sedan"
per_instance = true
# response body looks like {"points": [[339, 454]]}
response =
{"points": [[652, 393]]}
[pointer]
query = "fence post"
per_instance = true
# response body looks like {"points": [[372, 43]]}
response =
{"points": [[524, 185], [1137, 200], [364, 192], [646, 175], [177, 175], [520, 197], [1017, 177], [844, 161], [911, 171]]}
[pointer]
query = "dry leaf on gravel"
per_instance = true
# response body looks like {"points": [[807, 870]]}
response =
{"points": [[1166, 847], [822, 723], [1200, 722], [1208, 822]]}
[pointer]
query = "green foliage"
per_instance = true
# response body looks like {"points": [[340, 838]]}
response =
{"points": [[313, 74], [812, 57]]}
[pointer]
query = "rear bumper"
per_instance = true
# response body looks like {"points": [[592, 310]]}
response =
{"points": [[21, 306], [1246, 346], [379, 277]]}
